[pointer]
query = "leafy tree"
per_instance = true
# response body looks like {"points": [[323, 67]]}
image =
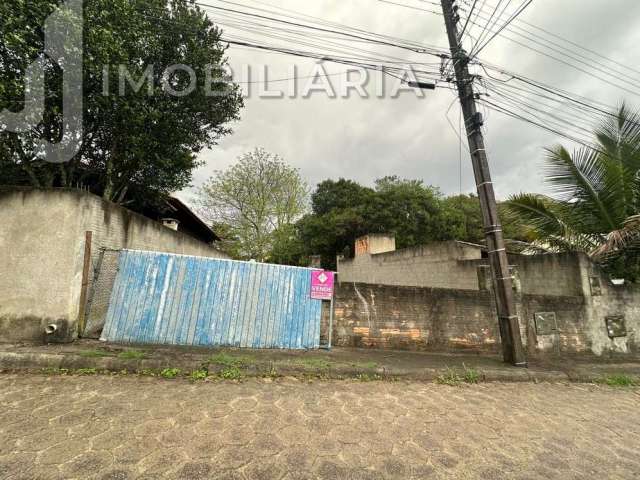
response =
{"points": [[596, 198], [339, 195], [417, 214], [138, 144], [257, 199], [464, 215]]}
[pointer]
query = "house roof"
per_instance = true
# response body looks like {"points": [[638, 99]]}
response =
{"points": [[190, 221]]}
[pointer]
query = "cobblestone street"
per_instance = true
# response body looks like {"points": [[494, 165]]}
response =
{"points": [[122, 428]]}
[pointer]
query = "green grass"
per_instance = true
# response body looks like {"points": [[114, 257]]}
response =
{"points": [[132, 355], [449, 377], [470, 375], [170, 372], [85, 371], [315, 363], [226, 360], [365, 365], [619, 380], [94, 354], [231, 373], [369, 377], [198, 375], [453, 377], [55, 371]]}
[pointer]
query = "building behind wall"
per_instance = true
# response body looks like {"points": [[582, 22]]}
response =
{"points": [[44, 239], [439, 296]]}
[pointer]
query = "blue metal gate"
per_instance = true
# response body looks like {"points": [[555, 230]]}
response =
{"points": [[161, 298]]}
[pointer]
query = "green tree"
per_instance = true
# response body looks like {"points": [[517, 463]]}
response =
{"points": [[416, 214], [138, 145], [257, 199], [594, 207]]}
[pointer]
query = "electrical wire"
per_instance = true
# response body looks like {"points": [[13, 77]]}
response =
{"points": [[506, 24]]}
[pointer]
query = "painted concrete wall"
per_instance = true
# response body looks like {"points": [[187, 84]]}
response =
{"points": [[42, 234]]}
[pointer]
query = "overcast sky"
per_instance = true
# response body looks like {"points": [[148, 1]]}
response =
{"points": [[364, 139]]}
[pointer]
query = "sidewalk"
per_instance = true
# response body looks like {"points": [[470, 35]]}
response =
{"points": [[93, 356]]}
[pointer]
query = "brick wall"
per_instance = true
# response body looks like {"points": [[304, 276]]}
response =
{"points": [[432, 319], [414, 318]]}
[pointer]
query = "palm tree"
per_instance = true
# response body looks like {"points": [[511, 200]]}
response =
{"points": [[595, 199]]}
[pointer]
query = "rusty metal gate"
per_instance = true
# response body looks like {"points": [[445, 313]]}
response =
{"points": [[161, 298]]}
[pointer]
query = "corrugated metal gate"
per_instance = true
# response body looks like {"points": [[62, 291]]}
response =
{"points": [[161, 298]]}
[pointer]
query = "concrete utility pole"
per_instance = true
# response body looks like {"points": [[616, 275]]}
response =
{"points": [[507, 315]]}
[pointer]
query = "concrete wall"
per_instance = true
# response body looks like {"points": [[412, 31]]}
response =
{"points": [[42, 235], [384, 316], [438, 265], [375, 243], [458, 265]]}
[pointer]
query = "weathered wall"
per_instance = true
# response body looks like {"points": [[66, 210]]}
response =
{"points": [[375, 243], [42, 243], [383, 316], [413, 318], [439, 265], [457, 265]]}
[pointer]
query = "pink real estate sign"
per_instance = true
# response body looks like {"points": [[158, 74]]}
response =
{"points": [[322, 285]]}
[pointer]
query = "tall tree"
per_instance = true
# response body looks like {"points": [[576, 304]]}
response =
{"points": [[257, 199], [595, 202], [139, 141], [417, 214]]}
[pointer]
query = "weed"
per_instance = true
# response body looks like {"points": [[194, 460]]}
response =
{"points": [[146, 372], [85, 371], [470, 375], [170, 373], [55, 371], [132, 355], [449, 377], [315, 363], [94, 354], [365, 365], [231, 373], [272, 372], [618, 380], [227, 360], [368, 377], [197, 375]]}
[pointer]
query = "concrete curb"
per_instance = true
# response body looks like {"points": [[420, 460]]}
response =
{"points": [[35, 362]]}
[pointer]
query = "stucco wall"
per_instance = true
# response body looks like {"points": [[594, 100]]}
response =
{"points": [[42, 235]]}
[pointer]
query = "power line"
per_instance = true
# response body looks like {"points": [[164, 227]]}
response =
{"points": [[506, 24], [564, 39], [570, 53], [345, 34], [464, 28], [411, 7], [484, 29]]}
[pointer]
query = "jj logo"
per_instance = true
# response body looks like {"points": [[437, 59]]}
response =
{"points": [[63, 45]]}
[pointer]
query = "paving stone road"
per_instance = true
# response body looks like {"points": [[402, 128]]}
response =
{"points": [[122, 428]]}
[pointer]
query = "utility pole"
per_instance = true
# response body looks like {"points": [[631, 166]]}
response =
{"points": [[512, 349]]}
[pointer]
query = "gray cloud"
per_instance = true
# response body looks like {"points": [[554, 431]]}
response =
{"points": [[364, 139]]}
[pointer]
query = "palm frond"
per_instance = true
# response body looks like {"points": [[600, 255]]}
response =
{"points": [[580, 178], [617, 241], [539, 212]]}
